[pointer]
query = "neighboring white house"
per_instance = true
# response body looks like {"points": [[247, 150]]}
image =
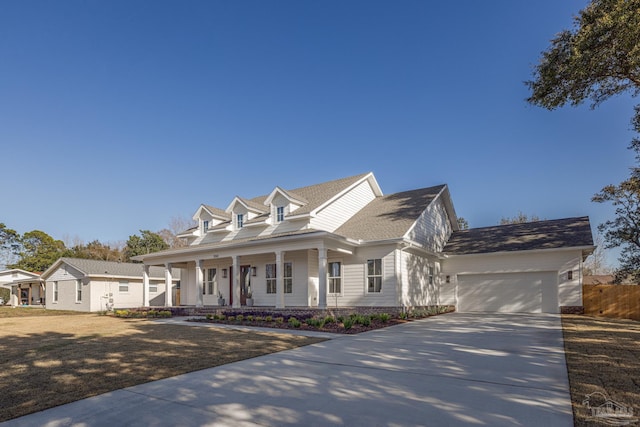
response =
{"points": [[344, 244], [26, 288], [91, 285]]}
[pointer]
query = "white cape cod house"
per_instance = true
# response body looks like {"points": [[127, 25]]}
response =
{"points": [[344, 244]]}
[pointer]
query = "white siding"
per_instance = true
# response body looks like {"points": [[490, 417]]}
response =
{"points": [[416, 289], [433, 228], [557, 261], [343, 208], [354, 283]]}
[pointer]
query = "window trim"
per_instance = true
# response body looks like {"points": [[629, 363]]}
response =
{"points": [[329, 277], [78, 291], [239, 221], [279, 214], [210, 281], [367, 276], [123, 283], [285, 278], [56, 292], [271, 281]]}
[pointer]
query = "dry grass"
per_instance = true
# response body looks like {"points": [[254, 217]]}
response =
{"points": [[7, 311], [603, 355], [49, 361]]}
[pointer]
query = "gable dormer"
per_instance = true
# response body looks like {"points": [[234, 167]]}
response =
{"points": [[242, 211], [209, 217], [281, 203]]}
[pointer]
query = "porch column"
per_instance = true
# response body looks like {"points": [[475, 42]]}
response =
{"points": [[145, 285], [199, 280], [236, 281], [168, 281], [322, 278], [279, 280]]}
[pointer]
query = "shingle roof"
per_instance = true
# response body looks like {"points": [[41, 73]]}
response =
{"points": [[313, 196], [217, 212], [318, 194], [390, 216], [112, 268], [553, 234]]}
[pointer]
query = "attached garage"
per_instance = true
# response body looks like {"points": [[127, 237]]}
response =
{"points": [[508, 292], [531, 267]]}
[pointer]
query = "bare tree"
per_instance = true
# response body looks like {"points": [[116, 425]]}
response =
{"points": [[596, 263], [177, 225]]}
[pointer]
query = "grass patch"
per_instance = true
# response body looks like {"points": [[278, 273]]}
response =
{"points": [[46, 363], [6, 312], [603, 355]]}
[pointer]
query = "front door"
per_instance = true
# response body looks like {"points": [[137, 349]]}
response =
{"points": [[245, 282]]}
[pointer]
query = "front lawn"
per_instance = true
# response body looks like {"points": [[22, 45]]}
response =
{"points": [[603, 355], [46, 361]]}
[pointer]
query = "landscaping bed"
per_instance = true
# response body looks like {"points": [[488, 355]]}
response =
{"points": [[353, 323]]}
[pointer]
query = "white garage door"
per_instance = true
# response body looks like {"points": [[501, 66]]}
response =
{"points": [[508, 292]]}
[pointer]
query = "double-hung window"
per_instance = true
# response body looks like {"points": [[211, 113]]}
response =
{"points": [[205, 225], [78, 290], [335, 277], [123, 287], [239, 220], [270, 274], [280, 213], [209, 286], [430, 274], [288, 278], [374, 275], [55, 291]]}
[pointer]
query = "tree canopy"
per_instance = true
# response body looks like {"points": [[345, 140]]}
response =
{"points": [[146, 243], [597, 59], [38, 251], [9, 245]]}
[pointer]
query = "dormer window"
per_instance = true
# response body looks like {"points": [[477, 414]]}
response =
{"points": [[280, 213], [205, 226], [239, 220]]}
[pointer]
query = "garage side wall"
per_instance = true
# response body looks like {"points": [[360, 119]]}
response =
{"points": [[565, 264], [419, 288]]}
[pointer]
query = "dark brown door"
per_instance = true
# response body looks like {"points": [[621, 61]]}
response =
{"points": [[245, 280]]}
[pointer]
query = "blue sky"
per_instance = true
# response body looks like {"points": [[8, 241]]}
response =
{"points": [[116, 116]]}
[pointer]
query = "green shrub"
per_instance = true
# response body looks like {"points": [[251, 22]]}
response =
{"points": [[403, 315], [268, 319], [384, 317], [280, 319], [231, 318], [340, 319], [294, 322], [347, 323], [258, 318], [164, 313], [239, 317], [209, 316], [250, 318], [329, 319]]}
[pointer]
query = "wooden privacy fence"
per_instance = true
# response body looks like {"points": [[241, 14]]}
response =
{"points": [[618, 301]]}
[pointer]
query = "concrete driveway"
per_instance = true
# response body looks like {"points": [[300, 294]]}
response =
{"points": [[454, 369]]}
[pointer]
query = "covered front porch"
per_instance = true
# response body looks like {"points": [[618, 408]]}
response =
{"points": [[294, 273], [28, 293]]}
